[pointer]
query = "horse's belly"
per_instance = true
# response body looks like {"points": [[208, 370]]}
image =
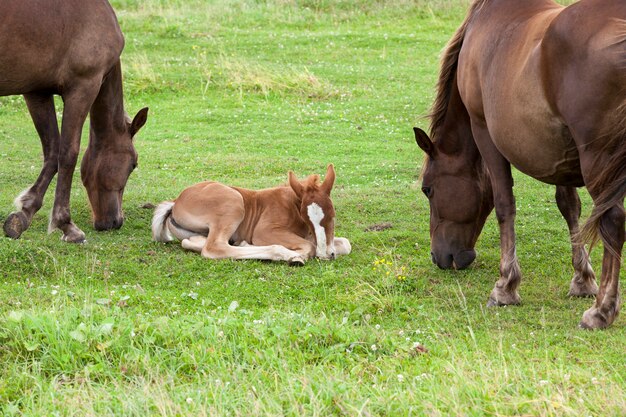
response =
{"points": [[542, 150]]}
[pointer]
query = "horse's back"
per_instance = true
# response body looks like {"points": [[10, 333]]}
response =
{"points": [[523, 67], [499, 82], [584, 61], [52, 47]]}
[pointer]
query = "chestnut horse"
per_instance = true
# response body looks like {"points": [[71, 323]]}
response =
{"points": [[289, 223], [542, 87], [71, 48]]}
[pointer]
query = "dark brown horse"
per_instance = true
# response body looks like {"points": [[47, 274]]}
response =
{"points": [[542, 87], [71, 48]]}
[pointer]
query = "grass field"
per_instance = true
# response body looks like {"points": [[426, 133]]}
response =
{"points": [[241, 92]]}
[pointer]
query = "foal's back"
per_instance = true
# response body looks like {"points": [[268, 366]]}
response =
{"points": [[208, 203]]}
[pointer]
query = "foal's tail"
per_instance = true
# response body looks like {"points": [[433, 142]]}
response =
{"points": [[162, 212]]}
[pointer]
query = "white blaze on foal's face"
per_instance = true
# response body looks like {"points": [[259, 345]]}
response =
{"points": [[325, 244]]}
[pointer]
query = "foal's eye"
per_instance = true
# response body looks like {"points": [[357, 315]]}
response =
{"points": [[428, 192]]}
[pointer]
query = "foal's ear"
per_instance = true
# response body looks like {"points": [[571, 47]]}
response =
{"points": [[295, 184], [329, 179], [424, 142], [140, 119]]}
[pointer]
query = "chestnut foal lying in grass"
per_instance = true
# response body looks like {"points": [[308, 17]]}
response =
{"points": [[287, 223]]}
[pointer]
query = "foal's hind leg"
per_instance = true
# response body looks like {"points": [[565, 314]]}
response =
{"points": [[584, 282], [42, 111]]}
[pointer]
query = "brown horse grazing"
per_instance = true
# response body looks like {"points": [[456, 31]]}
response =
{"points": [[289, 223], [542, 87], [71, 48]]}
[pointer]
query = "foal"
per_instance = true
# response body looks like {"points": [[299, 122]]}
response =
{"points": [[287, 223]]}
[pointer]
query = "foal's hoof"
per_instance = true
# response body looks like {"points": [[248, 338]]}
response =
{"points": [[15, 225], [296, 261]]}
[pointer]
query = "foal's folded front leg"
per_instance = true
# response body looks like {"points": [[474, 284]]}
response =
{"points": [[244, 251]]}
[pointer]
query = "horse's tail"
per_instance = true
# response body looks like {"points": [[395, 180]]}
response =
{"points": [[162, 212], [612, 182]]}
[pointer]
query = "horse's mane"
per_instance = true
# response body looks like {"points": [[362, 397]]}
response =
{"points": [[447, 72]]}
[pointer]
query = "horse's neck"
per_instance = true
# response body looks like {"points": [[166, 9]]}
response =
{"points": [[455, 133], [107, 111]]}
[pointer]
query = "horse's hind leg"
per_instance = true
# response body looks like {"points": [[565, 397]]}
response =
{"points": [[584, 282], [607, 305], [42, 111]]}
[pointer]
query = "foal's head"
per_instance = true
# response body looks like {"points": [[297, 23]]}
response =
{"points": [[317, 210], [459, 193], [106, 166]]}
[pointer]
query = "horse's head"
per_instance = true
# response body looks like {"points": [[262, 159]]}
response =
{"points": [[317, 210], [106, 166], [460, 197]]}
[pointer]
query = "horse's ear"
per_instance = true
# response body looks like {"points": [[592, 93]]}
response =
{"points": [[424, 142], [329, 179], [140, 119], [295, 184]]}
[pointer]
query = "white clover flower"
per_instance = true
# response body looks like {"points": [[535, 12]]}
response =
{"points": [[374, 348]]}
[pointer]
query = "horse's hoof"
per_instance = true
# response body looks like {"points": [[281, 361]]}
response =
{"points": [[15, 225], [595, 319], [501, 298], [580, 288], [74, 235]]}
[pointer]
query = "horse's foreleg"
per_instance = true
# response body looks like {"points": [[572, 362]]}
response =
{"points": [[505, 290], [42, 111], [584, 282], [77, 103], [607, 304]]}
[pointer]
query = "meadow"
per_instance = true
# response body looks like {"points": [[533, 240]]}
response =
{"points": [[241, 91]]}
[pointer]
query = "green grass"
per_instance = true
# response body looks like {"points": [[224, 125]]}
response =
{"points": [[241, 92]]}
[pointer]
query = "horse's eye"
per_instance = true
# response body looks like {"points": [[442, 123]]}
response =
{"points": [[428, 192]]}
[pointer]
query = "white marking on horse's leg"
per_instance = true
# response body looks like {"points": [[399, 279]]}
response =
{"points": [[342, 246], [19, 200], [316, 214], [51, 227]]}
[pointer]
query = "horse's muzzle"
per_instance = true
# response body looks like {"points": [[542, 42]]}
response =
{"points": [[101, 225], [459, 260]]}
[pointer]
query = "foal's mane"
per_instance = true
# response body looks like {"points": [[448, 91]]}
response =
{"points": [[447, 73], [312, 182]]}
